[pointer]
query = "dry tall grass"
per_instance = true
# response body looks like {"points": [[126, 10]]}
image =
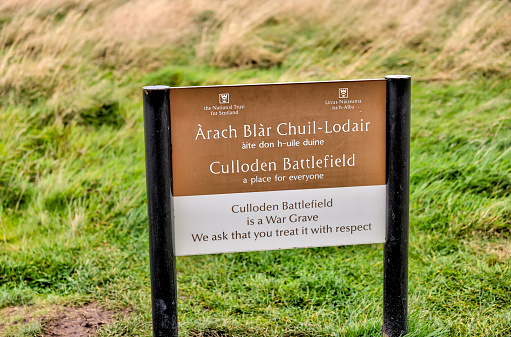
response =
{"points": [[49, 46]]}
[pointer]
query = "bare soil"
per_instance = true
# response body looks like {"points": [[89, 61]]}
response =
{"points": [[78, 322]]}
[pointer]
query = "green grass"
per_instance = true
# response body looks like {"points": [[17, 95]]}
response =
{"points": [[75, 223]]}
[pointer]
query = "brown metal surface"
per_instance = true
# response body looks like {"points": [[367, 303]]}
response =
{"points": [[264, 129]]}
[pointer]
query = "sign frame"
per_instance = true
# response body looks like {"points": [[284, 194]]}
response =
{"points": [[158, 153]]}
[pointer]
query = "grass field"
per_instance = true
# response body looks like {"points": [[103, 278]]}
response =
{"points": [[73, 215]]}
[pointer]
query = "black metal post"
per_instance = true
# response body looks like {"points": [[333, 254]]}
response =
{"points": [[395, 252], [159, 184]]}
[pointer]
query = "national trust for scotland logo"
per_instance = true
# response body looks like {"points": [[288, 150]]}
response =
{"points": [[223, 98], [343, 92]]}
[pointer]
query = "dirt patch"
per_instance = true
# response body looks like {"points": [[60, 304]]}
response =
{"points": [[78, 322], [52, 321]]}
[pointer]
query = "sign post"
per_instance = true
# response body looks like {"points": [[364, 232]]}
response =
{"points": [[395, 251], [160, 211], [277, 166]]}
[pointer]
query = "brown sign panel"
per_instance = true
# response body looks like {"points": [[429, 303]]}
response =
{"points": [[269, 137]]}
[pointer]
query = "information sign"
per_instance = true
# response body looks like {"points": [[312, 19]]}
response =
{"points": [[276, 166]]}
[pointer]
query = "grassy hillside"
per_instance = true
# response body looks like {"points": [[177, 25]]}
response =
{"points": [[73, 216]]}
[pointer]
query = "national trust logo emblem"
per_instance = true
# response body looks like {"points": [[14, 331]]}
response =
{"points": [[343, 92], [223, 98]]}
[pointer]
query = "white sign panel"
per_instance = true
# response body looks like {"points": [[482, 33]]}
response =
{"points": [[279, 220]]}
